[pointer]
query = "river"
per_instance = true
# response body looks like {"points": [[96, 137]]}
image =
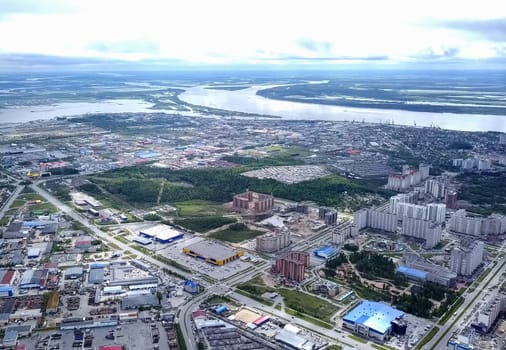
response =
{"points": [[247, 100]]}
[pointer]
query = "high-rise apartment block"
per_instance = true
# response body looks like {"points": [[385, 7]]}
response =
{"points": [[466, 258]]}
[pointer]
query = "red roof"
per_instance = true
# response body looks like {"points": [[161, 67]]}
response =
{"points": [[20, 347], [8, 277], [111, 347]]}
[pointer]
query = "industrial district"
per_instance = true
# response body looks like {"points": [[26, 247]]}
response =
{"points": [[155, 231]]}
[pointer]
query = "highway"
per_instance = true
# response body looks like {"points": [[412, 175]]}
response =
{"points": [[441, 338]]}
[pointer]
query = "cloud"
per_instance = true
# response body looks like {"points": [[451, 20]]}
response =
{"points": [[491, 29], [327, 58], [315, 46], [126, 47], [437, 53], [9, 7]]}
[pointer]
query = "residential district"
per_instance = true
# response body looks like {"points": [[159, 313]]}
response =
{"points": [[154, 231]]}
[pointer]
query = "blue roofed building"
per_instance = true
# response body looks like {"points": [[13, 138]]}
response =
{"points": [[412, 273], [325, 252], [372, 319]]}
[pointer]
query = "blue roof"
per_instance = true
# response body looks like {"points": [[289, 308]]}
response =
{"points": [[374, 315], [413, 273], [325, 251], [147, 154]]}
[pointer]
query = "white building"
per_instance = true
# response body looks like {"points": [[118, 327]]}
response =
{"points": [[435, 212], [465, 260], [272, 242], [435, 188], [423, 229], [411, 211], [495, 224], [375, 219]]}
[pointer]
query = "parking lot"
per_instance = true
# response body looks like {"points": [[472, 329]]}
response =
{"points": [[134, 335]]}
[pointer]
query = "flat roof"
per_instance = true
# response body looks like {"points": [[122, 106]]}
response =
{"points": [[142, 240], [291, 339], [376, 316], [420, 274], [161, 232], [211, 250]]}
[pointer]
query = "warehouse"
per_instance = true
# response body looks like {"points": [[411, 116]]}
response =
{"points": [[142, 240], [74, 272], [34, 279], [212, 252], [96, 276], [372, 319], [162, 234]]}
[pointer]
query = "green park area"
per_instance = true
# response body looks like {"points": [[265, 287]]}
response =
{"points": [[188, 189]]}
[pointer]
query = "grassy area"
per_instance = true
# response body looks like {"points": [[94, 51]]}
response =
{"points": [[180, 338], [236, 233], [122, 239], [196, 208], [356, 338], [5, 220], [18, 203], [451, 311], [204, 224], [427, 338], [113, 246], [256, 297], [480, 279], [308, 304], [278, 307], [383, 347], [31, 197], [44, 207], [143, 250], [308, 318]]}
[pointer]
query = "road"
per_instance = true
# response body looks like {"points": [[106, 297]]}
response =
{"points": [[471, 299], [99, 234], [11, 199]]}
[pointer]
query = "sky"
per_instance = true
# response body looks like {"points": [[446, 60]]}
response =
{"points": [[88, 34]]}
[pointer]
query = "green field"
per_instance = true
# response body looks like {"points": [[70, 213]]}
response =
{"points": [[308, 304], [198, 208], [44, 207], [360, 340], [236, 233], [31, 196], [18, 203], [204, 224]]}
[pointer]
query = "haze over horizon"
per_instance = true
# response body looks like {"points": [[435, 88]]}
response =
{"points": [[152, 34]]}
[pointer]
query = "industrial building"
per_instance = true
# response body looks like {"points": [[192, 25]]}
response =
{"points": [[291, 336], [161, 233], [372, 319], [212, 252], [272, 242], [96, 276], [465, 259], [257, 203], [142, 240], [124, 274], [34, 279], [74, 272], [292, 265]]}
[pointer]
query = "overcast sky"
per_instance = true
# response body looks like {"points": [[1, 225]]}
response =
{"points": [[87, 33]]}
